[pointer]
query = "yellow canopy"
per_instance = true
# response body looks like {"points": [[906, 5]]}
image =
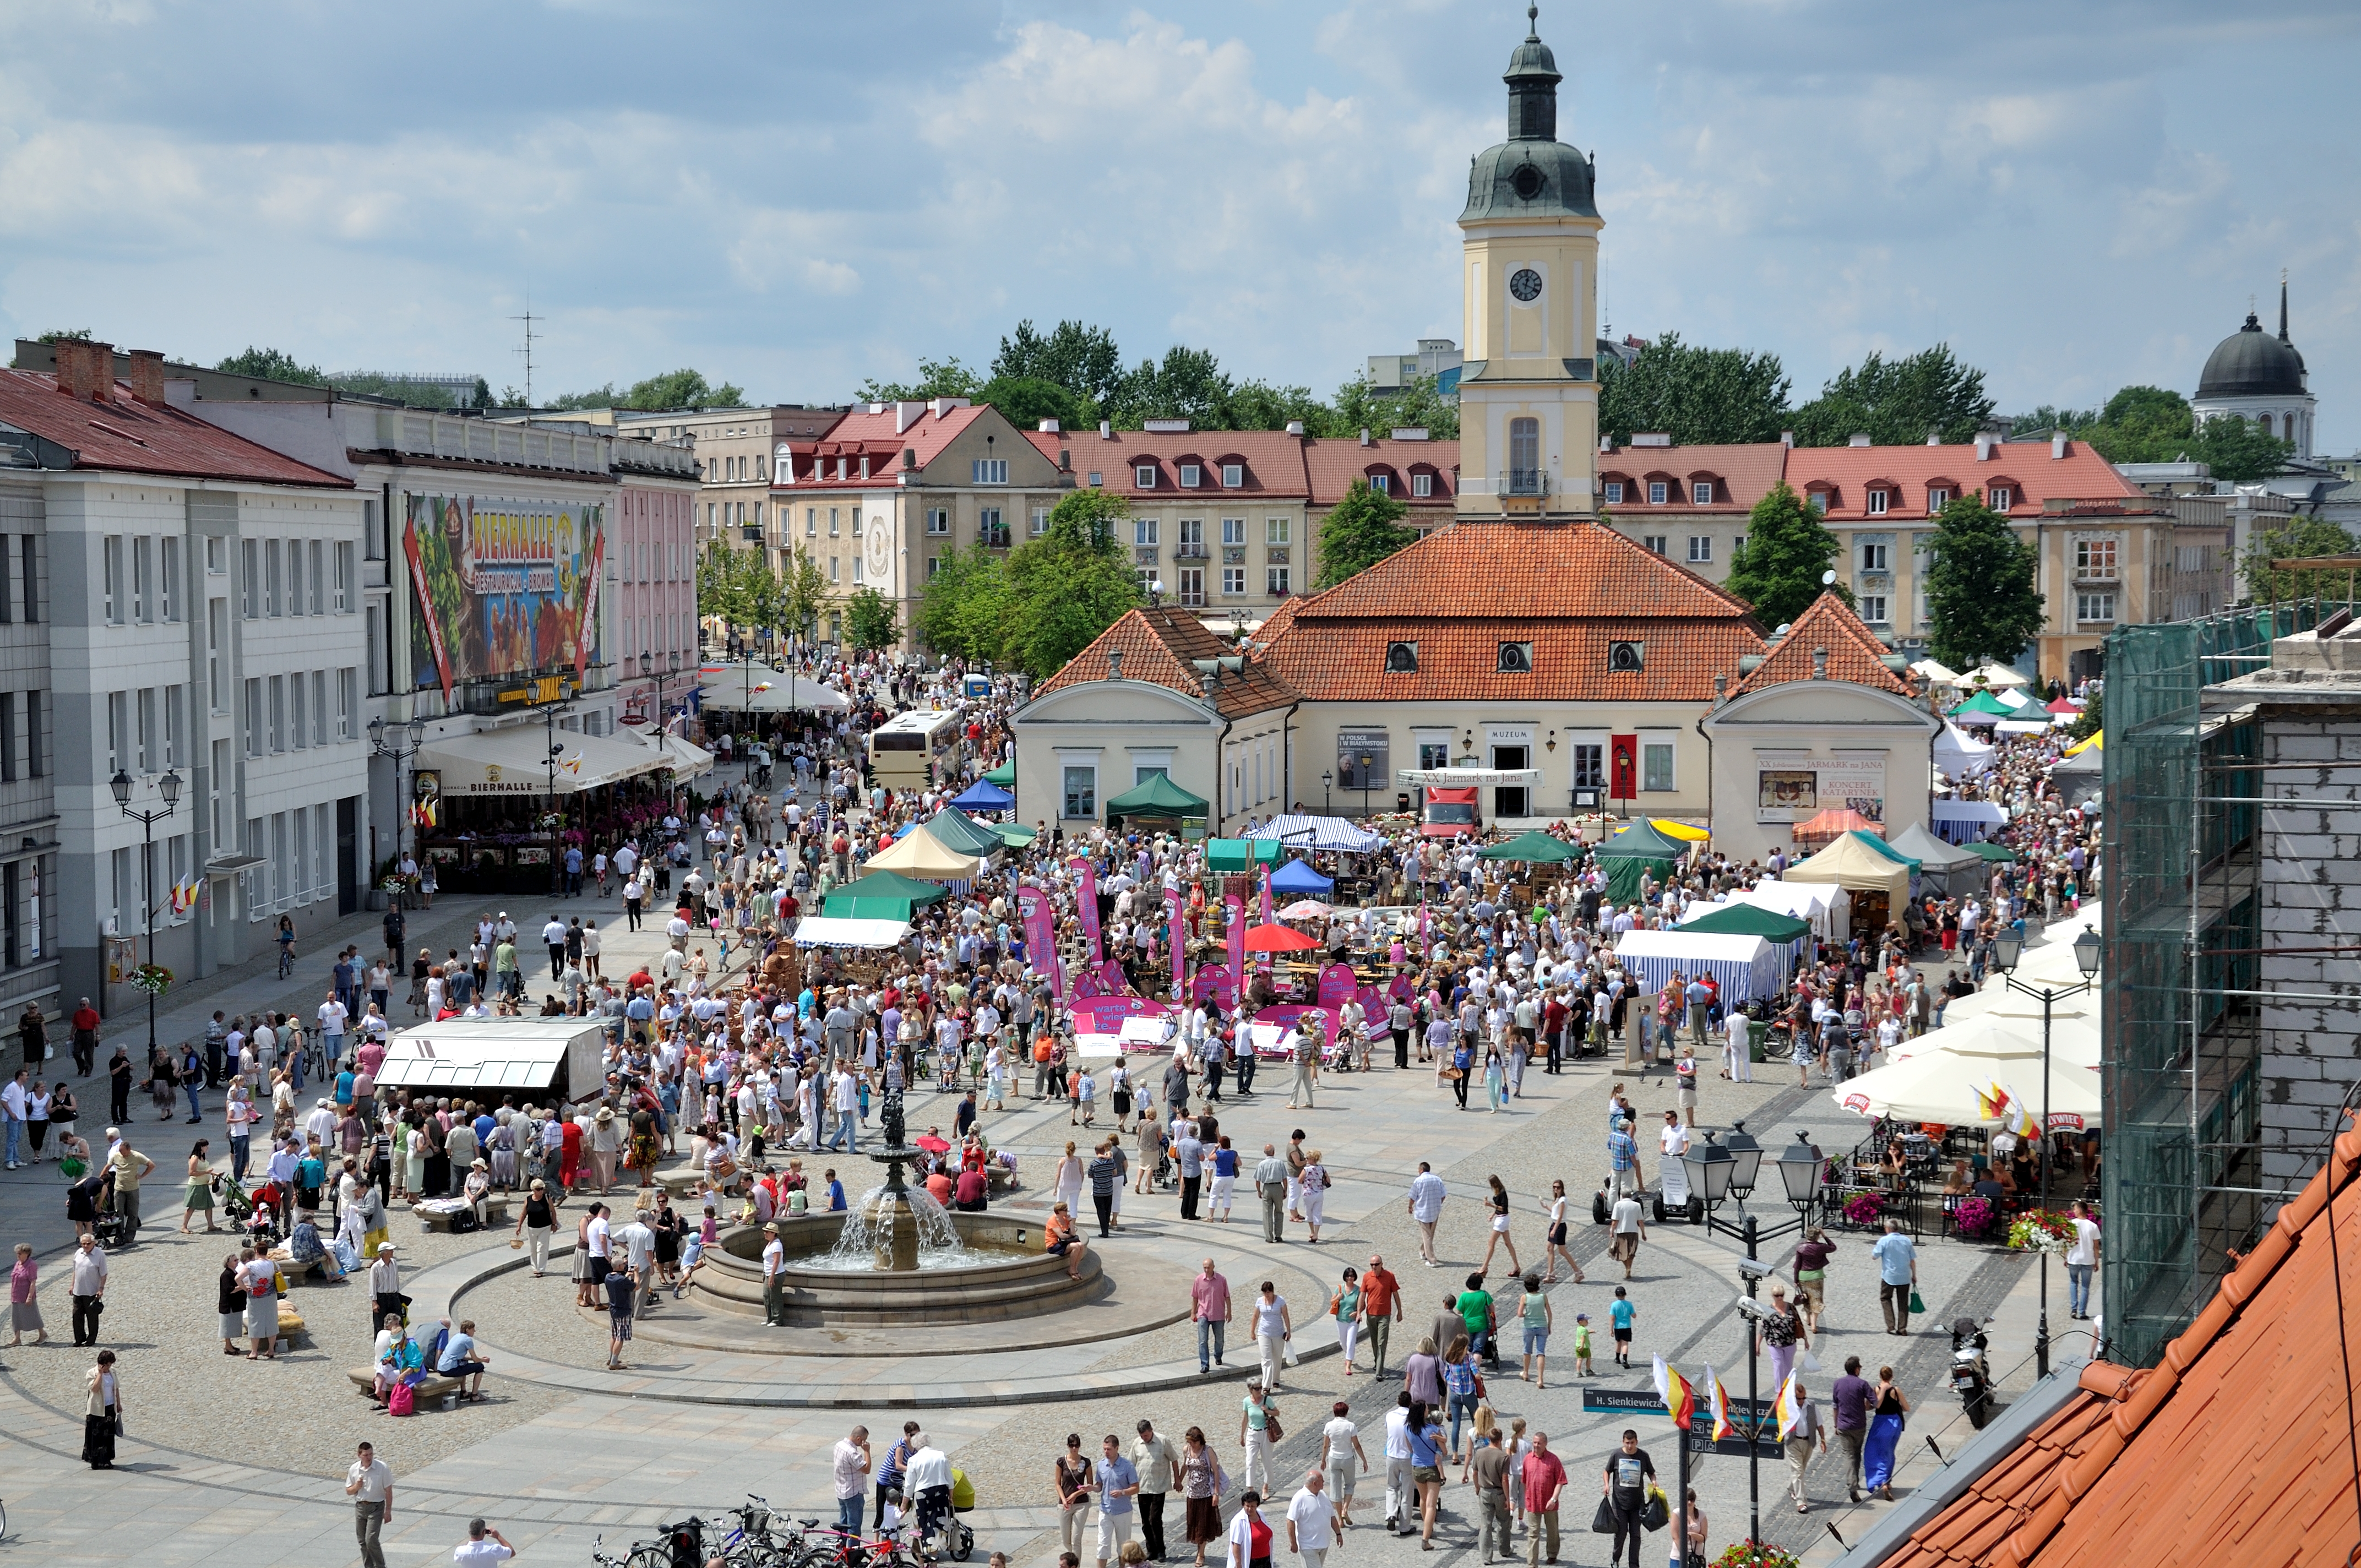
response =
{"points": [[920, 854], [2098, 739], [1682, 831], [1852, 864]]}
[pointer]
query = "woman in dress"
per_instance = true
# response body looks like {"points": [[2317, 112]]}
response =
{"points": [[1885, 1435], [24, 1301], [1311, 1192], [1067, 1179], [1496, 1080], [1553, 1247], [1201, 1482], [1347, 1305], [1782, 1334], [586, 1290], [1498, 1202], [410, 1154], [102, 1412], [199, 1199]]}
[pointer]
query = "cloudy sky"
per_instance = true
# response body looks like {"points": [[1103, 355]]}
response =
{"points": [[2075, 193]]}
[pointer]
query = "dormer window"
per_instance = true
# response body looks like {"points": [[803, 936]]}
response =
{"points": [[1658, 492], [865, 465], [1877, 502], [1143, 475], [840, 468], [1382, 482], [1938, 498], [1421, 485], [1189, 475], [1701, 492], [2000, 498], [1234, 476], [1817, 501], [1614, 491]]}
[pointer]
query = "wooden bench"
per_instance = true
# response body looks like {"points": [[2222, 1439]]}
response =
{"points": [[365, 1379]]}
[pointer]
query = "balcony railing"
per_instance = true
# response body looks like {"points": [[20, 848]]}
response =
{"points": [[993, 538], [1191, 598], [1190, 552], [1521, 482], [751, 532]]}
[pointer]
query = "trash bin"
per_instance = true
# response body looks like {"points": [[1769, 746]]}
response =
{"points": [[1757, 1033]]}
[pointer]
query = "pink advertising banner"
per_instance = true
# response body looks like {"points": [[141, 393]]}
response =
{"points": [[1041, 937], [1178, 935], [1105, 1014], [1283, 1019], [1234, 905], [1263, 960], [1086, 906], [1337, 983], [1104, 978]]}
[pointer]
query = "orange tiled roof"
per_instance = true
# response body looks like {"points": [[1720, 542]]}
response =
{"points": [[1161, 645], [1741, 475], [1271, 463], [129, 436], [1855, 654], [1570, 589], [1332, 466], [2234, 1449]]}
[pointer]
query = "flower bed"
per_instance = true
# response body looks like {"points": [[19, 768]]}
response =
{"points": [[2041, 1231], [1756, 1554], [1864, 1208], [1973, 1218]]}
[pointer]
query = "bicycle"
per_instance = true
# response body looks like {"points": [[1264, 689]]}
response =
{"points": [[752, 1544]]}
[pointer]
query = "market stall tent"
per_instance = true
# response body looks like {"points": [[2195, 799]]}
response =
{"points": [[758, 688], [497, 762], [1742, 966], [831, 931], [919, 853], [1297, 880], [1643, 841], [1875, 886], [1533, 847], [1747, 920], [1995, 854], [983, 795], [1302, 830], [1957, 1084], [1156, 797], [555, 1061], [1003, 777], [687, 759], [1820, 827], [882, 895], [1939, 862], [1961, 821], [1242, 854], [1959, 754], [963, 834]]}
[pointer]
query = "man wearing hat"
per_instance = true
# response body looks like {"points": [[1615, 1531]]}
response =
{"points": [[774, 1283], [386, 1299]]}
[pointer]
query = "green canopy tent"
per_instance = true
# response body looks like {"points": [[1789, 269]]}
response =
{"points": [[1003, 775], [1243, 854], [1534, 848], [1882, 848], [1156, 799], [1014, 835], [880, 895], [965, 833], [1998, 854], [1638, 849], [1750, 920], [1984, 702]]}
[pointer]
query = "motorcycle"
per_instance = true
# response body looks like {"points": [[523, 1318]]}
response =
{"points": [[1970, 1372]]}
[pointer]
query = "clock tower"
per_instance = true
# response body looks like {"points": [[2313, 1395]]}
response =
{"points": [[1528, 388]]}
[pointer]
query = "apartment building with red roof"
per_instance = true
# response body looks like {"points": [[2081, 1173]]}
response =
{"points": [[1687, 503]]}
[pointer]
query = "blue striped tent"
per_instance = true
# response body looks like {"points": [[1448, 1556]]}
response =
{"points": [[1742, 966]]}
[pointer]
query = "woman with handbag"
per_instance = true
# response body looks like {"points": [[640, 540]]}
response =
{"points": [[200, 1198], [1346, 1308], [102, 1419], [1202, 1485]]}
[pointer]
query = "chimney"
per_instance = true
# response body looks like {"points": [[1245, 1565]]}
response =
{"points": [[1295, 427], [1114, 664], [2057, 444], [1606, 444], [941, 407], [910, 458], [1211, 680], [1934, 438], [1106, 430], [1984, 444], [1365, 435], [86, 370], [1788, 439], [148, 377], [906, 415], [1820, 663], [1065, 460], [1720, 687], [1047, 427], [1859, 438]]}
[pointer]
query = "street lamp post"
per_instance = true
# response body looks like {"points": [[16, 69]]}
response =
{"points": [[2007, 948], [416, 729], [1327, 801], [1367, 761], [558, 818], [167, 786], [1721, 1171]]}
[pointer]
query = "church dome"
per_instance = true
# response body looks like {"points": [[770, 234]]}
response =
{"points": [[1532, 174], [2251, 363]]}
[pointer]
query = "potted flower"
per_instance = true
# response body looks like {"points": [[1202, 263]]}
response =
{"points": [[1973, 1217], [1864, 1208], [1756, 1554], [2041, 1231], [153, 979]]}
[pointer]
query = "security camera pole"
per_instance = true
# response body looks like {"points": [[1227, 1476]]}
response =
{"points": [[1717, 1172]]}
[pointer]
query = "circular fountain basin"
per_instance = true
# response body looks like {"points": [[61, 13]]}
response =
{"points": [[1000, 1274]]}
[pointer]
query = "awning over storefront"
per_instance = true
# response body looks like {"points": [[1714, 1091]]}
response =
{"points": [[515, 762], [758, 688], [687, 759]]}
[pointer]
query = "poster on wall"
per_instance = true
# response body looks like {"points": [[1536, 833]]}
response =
{"points": [[1785, 795], [501, 587], [1854, 781], [1798, 788]]}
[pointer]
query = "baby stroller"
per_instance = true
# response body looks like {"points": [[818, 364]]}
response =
{"points": [[113, 1229]]}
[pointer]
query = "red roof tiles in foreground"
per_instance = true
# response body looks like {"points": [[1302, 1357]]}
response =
{"points": [[128, 436], [1570, 590], [1855, 654], [2234, 1449], [1162, 646]]}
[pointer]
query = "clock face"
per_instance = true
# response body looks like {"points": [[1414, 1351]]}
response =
{"points": [[1526, 284], [881, 551]]}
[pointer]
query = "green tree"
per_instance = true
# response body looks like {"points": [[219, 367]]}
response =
{"points": [[1027, 400], [682, 388], [1788, 551], [2238, 451], [960, 607], [1981, 600], [1083, 359], [721, 585], [604, 397], [70, 335], [2091, 721], [1693, 394], [869, 622], [2154, 424], [481, 398], [937, 378], [271, 365], [1187, 383], [2298, 537], [1258, 405], [1068, 586], [1898, 401], [1361, 530], [803, 592], [1419, 402]]}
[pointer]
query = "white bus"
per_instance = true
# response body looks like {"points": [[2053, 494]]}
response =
{"points": [[912, 751]]}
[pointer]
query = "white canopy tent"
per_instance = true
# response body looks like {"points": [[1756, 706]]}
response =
{"points": [[517, 761], [1936, 672], [561, 1058], [1799, 900], [1299, 830], [1743, 967], [840, 931], [1952, 1085], [1994, 676], [1957, 754], [687, 759]]}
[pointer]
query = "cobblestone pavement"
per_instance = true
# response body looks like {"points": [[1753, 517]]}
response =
{"points": [[234, 1460]]}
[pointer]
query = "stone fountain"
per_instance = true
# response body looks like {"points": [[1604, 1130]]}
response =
{"points": [[888, 1218]]}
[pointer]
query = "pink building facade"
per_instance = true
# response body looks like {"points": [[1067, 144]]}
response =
{"points": [[654, 578]]}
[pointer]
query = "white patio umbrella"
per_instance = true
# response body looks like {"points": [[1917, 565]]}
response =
{"points": [[1952, 1085]]}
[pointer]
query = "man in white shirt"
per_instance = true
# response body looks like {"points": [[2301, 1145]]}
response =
{"points": [[927, 1482], [1401, 1486], [552, 936], [2082, 1258], [1427, 1192], [1311, 1522], [370, 1482], [1341, 1458], [484, 1544]]}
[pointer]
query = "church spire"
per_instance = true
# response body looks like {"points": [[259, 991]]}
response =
{"points": [[1533, 78], [2283, 332]]}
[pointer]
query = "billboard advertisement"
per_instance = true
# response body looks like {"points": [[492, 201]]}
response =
{"points": [[502, 586]]}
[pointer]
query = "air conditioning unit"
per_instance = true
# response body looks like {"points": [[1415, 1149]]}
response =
{"points": [[1626, 658]]}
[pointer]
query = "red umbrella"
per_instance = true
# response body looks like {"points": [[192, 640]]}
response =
{"points": [[933, 1144], [2065, 705], [1277, 939]]}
